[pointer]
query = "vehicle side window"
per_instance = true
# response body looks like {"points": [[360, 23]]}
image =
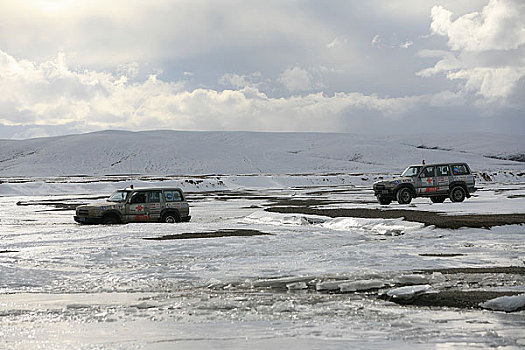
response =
{"points": [[428, 172], [173, 196], [138, 197], [442, 170], [154, 197], [460, 169]]}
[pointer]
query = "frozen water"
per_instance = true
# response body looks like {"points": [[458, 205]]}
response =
{"points": [[66, 286], [361, 285], [408, 292], [505, 303], [388, 227], [410, 279]]}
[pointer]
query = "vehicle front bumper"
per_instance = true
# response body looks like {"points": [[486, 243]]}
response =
{"points": [[383, 191], [87, 220]]}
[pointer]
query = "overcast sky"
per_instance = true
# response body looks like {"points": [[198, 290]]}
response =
{"points": [[377, 66]]}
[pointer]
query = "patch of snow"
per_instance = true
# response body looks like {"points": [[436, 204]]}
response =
{"points": [[505, 303], [330, 285], [177, 152], [361, 285], [279, 282], [297, 286], [387, 227], [408, 291], [410, 279], [268, 218]]}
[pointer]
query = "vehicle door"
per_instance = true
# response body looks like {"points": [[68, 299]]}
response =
{"points": [[137, 208], [443, 178], [154, 205], [427, 183]]}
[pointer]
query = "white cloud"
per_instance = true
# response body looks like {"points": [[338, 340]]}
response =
{"points": [[499, 26], [492, 83], [487, 50], [297, 79], [240, 80], [52, 94], [337, 42], [380, 42], [130, 70]]}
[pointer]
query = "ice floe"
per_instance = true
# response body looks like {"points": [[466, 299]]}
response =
{"points": [[387, 227], [297, 286], [408, 292], [505, 303], [361, 285], [410, 279], [330, 285]]}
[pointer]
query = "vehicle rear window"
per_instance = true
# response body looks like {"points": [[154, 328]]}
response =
{"points": [[154, 197], [173, 196], [460, 169]]}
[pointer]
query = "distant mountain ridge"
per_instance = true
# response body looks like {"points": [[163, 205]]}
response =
{"points": [[191, 152]]}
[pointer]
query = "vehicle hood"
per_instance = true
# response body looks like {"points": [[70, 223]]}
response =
{"points": [[101, 205], [395, 181]]}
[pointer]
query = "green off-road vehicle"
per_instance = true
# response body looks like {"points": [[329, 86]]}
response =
{"points": [[137, 205], [437, 181]]}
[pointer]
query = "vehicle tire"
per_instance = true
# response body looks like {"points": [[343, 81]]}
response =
{"points": [[170, 218], [110, 220], [404, 196], [457, 194], [438, 199], [384, 200]]}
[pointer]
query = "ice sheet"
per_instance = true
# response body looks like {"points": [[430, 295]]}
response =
{"points": [[67, 286]]}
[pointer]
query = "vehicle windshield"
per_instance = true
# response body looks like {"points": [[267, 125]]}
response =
{"points": [[411, 171], [119, 196]]}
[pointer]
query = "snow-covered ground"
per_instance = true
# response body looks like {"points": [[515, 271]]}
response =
{"points": [[66, 286], [182, 153]]}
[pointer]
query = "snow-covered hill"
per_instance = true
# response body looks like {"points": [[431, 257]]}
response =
{"points": [[184, 153]]}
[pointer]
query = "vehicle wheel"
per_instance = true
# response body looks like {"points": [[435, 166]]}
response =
{"points": [[438, 199], [457, 194], [404, 196], [170, 218], [383, 200], [110, 220]]}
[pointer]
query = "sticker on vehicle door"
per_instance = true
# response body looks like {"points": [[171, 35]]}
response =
{"points": [[428, 180]]}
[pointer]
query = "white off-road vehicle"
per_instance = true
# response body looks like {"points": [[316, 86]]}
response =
{"points": [[163, 204], [436, 181]]}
